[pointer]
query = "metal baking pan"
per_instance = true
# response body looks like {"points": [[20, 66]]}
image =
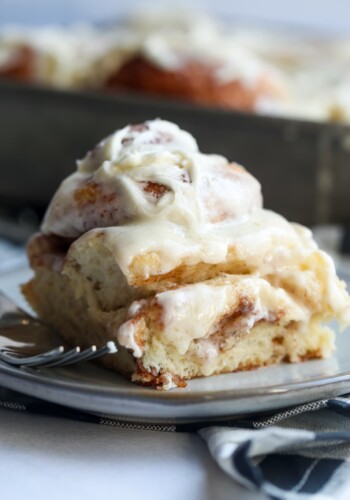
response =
{"points": [[304, 167]]}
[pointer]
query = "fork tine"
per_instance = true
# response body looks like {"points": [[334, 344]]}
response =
{"points": [[87, 355], [109, 348], [57, 357], [37, 360], [67, 357], [82, 356], [12, 316]]}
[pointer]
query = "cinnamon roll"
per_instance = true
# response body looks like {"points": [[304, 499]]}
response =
{"points": [[170, 253]]}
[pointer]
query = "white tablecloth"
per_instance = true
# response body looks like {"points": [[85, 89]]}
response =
{"points": [[45, 458]]}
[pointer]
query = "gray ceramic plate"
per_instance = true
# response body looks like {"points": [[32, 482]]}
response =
{"points": [[100, 391]]}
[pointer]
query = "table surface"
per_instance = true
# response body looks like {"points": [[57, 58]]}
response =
{"points": [[82, 460]]}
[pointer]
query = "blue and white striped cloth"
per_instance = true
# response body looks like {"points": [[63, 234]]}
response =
{"points": [[295, 454]]}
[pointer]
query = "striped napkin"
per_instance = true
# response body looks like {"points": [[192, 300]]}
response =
{"points": [[295, 454]]}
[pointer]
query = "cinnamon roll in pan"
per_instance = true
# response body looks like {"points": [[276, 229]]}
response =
{"points": [[195, 81]]}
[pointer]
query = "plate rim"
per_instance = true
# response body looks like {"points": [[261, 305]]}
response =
{"points": [[172, 398]]}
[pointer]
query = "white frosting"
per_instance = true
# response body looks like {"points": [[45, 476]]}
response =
{"points": [[124, 146], [81, 55], [337, 298], [184, 316], [196, 189], [65, 56], [126, 338], [170, 40], [193, 312], [316, 69], [263, 240], [229, 61]]}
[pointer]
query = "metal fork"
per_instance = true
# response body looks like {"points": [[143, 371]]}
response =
{"points": [[28, 341]]}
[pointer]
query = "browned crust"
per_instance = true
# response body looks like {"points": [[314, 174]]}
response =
{"points": [[91, 192], [155, 189], [314, 354], [47, 251], [194, 81], [20, 66], [186, 274], [152, 378], [27, 290]]}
